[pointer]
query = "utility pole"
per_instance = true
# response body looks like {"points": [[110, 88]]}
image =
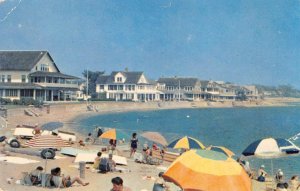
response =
{"points": [[179, 88], [87, 86]]}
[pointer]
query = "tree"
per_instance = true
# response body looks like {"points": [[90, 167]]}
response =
{"points": [[92, 79]]}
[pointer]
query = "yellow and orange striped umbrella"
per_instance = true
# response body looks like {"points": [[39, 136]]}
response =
{"points": [[207, 170], [221, 149], [114, 134]]}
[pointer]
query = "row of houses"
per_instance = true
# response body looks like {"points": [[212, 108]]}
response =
{"points": [[135, 86], [34, 74]]}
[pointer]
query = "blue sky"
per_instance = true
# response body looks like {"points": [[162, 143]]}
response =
{"points": [[246, 42]]}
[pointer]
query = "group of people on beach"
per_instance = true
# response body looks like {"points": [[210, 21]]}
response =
{"points": [[54, 179], [281, 184]]}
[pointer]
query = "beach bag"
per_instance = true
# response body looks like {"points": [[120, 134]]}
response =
{"points": [[103, 165]]}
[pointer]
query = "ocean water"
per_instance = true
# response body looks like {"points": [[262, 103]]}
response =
{"points": [[234, 128]]}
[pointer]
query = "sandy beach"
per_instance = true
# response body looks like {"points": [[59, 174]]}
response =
{"points": [[136, 176]]}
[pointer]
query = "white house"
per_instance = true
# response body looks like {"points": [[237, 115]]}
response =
{"points": [[123, 85], [34, 74]]}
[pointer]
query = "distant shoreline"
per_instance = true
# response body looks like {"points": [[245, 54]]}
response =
{"points": [[69, 113]]}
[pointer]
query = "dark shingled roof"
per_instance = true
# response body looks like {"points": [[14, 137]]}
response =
{"points": [[21, 60], [175, 81], [131, 77], [52, 74], [102, 79]]}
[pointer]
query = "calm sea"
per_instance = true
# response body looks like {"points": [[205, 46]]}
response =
{"points": [[234, 128]]}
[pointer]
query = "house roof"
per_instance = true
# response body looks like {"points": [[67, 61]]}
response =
{"points": [[131, 77], [52, 74], [21, 60], [176, 81]]}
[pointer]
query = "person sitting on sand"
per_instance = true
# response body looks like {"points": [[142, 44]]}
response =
{"points": [[160, 184], [155, 147], [118, 185], [35, 176], [279, 176], [97, 160], [81, 143], [111, 163], [261, 174], [246, 165], [282, 187], [294, 183]]}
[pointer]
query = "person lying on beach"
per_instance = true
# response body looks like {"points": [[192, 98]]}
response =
{"points": [[160, 184], [118, 185], [64, 181], [35, 175], [68, 181]]}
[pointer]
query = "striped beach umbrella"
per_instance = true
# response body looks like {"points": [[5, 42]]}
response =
{"points": [[186, 143], [271, 148], [221, 149], [46, 141], [115, 134], [207, 170]]}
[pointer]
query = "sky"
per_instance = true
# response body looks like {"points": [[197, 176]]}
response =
{"points": [[243, 42]]}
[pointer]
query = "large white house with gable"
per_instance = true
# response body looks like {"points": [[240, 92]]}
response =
{"points": [[34, 74], [129, 86]]}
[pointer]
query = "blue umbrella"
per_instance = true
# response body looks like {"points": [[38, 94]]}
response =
{"points": [[52, 125], [271, 148], [186, 143]]}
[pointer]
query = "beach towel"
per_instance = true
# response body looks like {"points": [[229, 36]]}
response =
{"points": [[17, 160]]}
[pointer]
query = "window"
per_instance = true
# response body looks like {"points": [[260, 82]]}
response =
{"points": [[23, 78], [8, 78], [26, 93], [45, 67], [101, 87], [119, 79], [11, 93], [1, 93], [2, 78]]}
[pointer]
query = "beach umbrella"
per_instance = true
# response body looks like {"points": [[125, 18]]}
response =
{"points": [[155, 137], [52, 125], [271, 148], [207, 170], [46, 141], [221, 149], [115, 134], [186, 143]]}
